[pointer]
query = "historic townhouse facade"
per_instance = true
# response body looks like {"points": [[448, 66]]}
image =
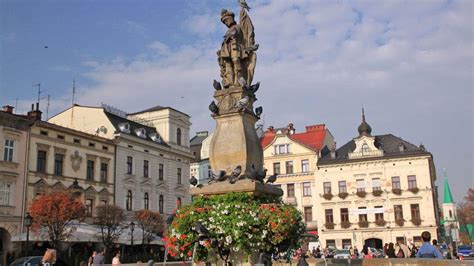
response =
{"points": [[376, 190], [293, 156], [200, 166], [66, 160], [14, 134], [152, 166]]}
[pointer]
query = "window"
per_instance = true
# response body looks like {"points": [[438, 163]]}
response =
{"points": [[329, 216], [160, 171], [330, 243], [41, 161], [44, 133], [91, 144], [77, 141], [304, 166], [178, 202], [306, 189], [146, 201], [376, 184], [276, 168], [415, 211], [178, 173], [89, 204], [450, 214], [365, 149], [396, 182], [103, 202], [209, 172], [327, 188], [398, 210], [308, 214], [178, 136], [360, 185], [129, 164], [4, 194], [160, 204], [362, 214], [145, 168], [346, 243], [342, 187], [60, 136], [128, 201], [400, 239], [8, 150], [290, 190], [344, 215], [58, 164], [104, 167], [281, 149], [378, 216], [411, 181], [90, 170], [289, 167], [105, 148]]}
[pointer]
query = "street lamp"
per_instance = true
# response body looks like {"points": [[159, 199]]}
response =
{"points": [[132, 228], [28, 222]]}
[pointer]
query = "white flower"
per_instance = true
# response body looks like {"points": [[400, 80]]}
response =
{"points": [[228, 239], [201, 242]]}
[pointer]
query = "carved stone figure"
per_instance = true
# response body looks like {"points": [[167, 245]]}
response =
{"points": [[76, 160], [237, 57]]}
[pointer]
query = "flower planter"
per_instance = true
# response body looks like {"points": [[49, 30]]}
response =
{"points": [[327, 196], [363, 224], [380, 222], [361, 194], [414, 190], [329, 225], [343, 195], [400, 222], [377, 193], [416, 222], [345, 224], [397, 191]]}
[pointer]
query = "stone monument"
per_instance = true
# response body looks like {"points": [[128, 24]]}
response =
{"points": [[235, 153]]}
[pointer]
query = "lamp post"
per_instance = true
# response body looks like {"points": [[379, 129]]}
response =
{"points": [[28, 222], [132, 228]]}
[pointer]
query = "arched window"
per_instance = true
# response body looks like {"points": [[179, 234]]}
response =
{"points": [[178, 136], [450, 214], [146, 201], [160, 204], [365, 149], [178, 202], [128, 202]]}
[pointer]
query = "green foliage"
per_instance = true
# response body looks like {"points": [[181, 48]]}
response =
{"points": [[239, 222]]}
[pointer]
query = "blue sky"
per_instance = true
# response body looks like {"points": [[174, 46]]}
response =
{"points": [[409, 63]]}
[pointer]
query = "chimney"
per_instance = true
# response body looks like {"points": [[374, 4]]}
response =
{"points": [[34, 115], [8, 109], [333, 151]]}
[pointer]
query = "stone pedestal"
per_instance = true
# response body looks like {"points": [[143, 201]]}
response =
{"points": [[245, 185], [235, 141]]}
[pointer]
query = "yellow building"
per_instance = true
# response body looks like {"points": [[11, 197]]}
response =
{"points": [[293, 156], [376, 190]]}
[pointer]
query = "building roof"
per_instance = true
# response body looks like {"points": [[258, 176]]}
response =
{"points": [[389, 143], [157, 108], [116, 120], [312, 138], [448, 197], [199, 138]]}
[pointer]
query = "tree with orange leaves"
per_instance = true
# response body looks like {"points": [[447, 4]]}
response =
{"points": [[56, 211], [151, 224]]}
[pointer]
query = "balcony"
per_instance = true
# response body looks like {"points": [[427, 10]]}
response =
{"points": [[290, 200]]}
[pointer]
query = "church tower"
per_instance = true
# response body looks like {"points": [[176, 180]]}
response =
{"points": [[450, 217]]}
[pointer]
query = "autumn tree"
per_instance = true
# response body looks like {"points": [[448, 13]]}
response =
{"points": [[56, 211], [110, 219], [151, 224], [466, 208]]}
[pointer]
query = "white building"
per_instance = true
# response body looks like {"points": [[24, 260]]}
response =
{"points": [[152, 153], [200, 167], [376, 190]]}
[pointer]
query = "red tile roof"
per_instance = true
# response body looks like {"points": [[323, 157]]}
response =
{"points": [[313, 138]]}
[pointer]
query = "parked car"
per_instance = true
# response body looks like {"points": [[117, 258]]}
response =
{"points": [[465, 250], [342, 254], [376, 253], [27, 261]]}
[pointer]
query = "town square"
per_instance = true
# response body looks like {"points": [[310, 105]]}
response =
{"points": [[236, 132]]}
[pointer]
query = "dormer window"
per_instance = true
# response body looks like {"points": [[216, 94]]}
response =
{"points": [[401, 147], [141, 132], [365, 149], [124, 127], [155, 137]]}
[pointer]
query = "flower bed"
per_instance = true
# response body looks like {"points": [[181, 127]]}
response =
{"points": [[236, 222]]}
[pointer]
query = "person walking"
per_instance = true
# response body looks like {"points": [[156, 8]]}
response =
{"points": [[391, 251], [116, 259], [99, 258], [49, 258], [427, 250]]}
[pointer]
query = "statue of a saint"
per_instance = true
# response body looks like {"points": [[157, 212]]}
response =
{"points": [[237, 57]]}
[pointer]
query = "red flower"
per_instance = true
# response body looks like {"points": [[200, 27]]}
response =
{"points": [[190, 253]]}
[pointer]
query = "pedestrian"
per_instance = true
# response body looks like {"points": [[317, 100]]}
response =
{"points": [[414, 250], [313, 252], [435, 244], [427, 250], [318, 252], [385, 248], [351, 251], [365, 250], [99, 258], [391, 251], [356, 252], [90, 262], [49, 257], [116, 259]]}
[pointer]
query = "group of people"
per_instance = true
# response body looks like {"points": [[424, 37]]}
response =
{"points": [[390, 250], [98, 258]]}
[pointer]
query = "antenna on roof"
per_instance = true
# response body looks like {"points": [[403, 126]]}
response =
{"points": [[39, 91], [47, 108], [16, 104], [73, 90]]}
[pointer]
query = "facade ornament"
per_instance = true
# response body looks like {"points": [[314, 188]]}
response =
{"points": [[76, 160]]}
